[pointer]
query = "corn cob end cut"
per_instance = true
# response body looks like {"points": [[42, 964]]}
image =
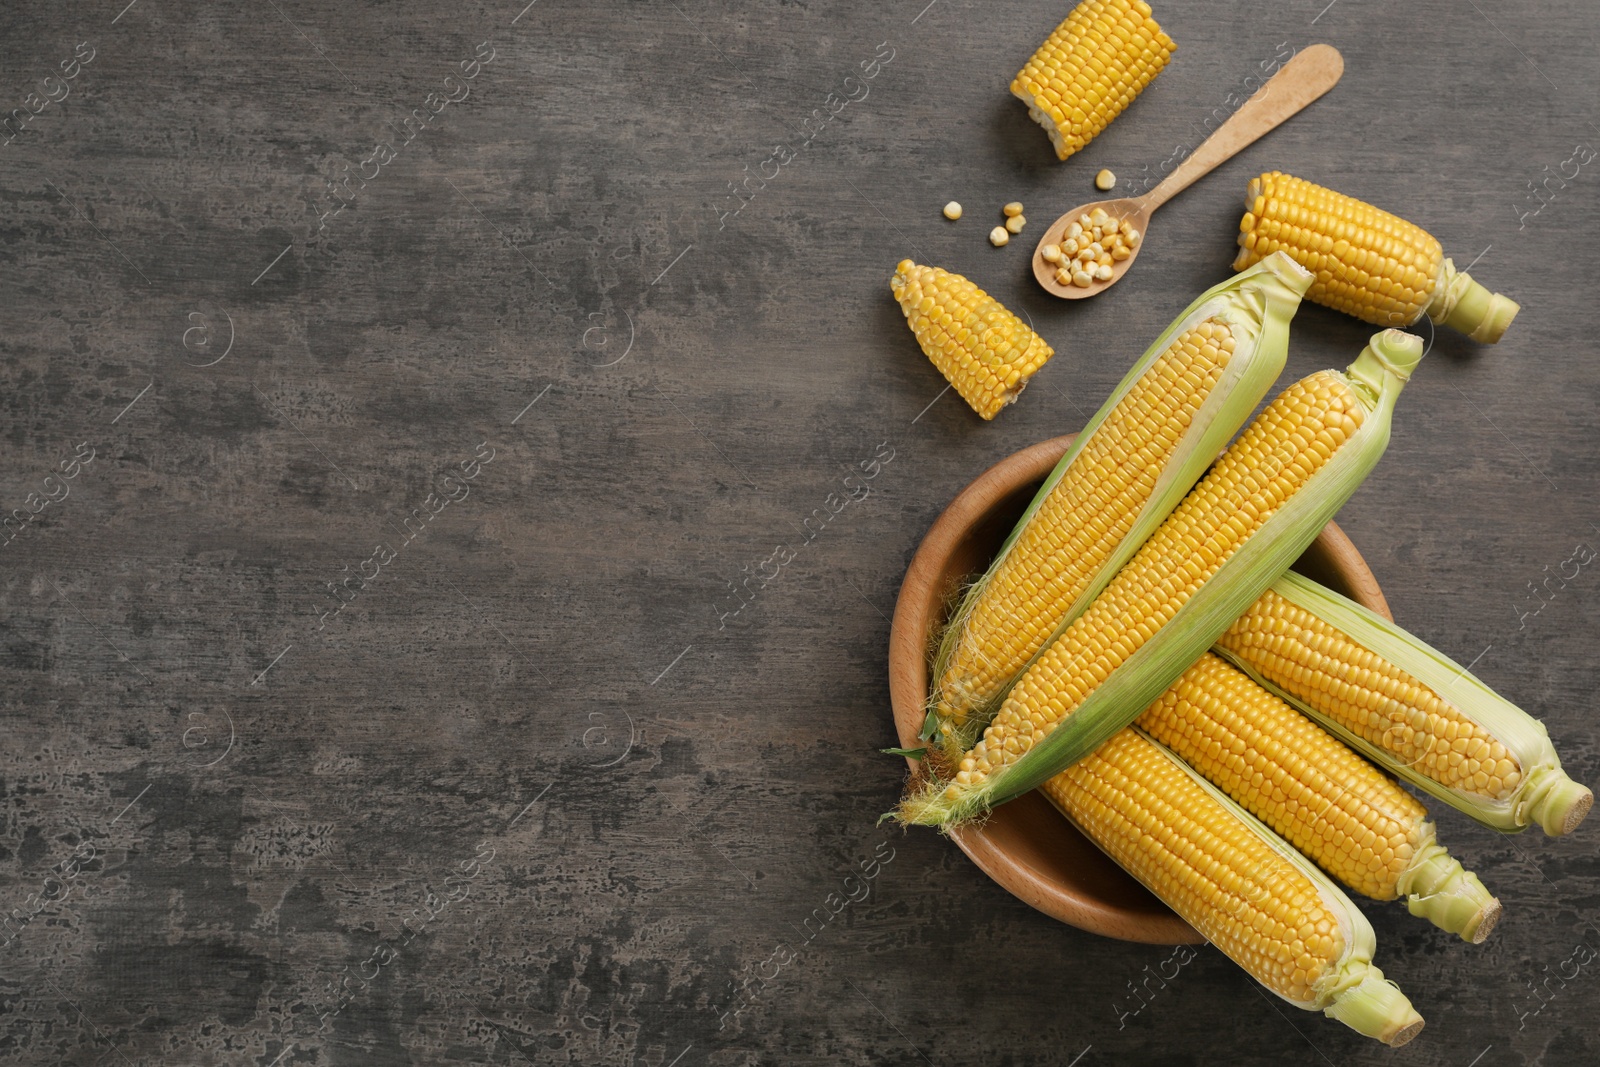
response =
{"points": [[1462, 304], [1440, 890], [1556, 802], [982, 349], [1375, 1006], [1091, 67]]}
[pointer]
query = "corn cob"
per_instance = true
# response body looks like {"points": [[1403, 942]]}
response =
{"points": [[1369, 263], [1247, 892], [1132, 463], [1406, 705], [1090, 68], [982, 349], [1240, 528], [1326, 801]]}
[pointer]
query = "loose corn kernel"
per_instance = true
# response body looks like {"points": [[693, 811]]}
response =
{"points": [[952, 211], [1051, 253], [1105, 180], [998, 236], [1012, 209], [1015, 223]]}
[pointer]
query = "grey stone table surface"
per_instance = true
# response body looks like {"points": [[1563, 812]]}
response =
{"points": [[395, 393]]}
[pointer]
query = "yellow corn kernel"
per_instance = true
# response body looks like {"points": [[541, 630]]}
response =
{"points": [[986, 352], [1090, 68]]}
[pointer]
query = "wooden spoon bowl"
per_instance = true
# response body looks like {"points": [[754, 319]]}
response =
{"points": [[1134, 210], [1027, 846]]}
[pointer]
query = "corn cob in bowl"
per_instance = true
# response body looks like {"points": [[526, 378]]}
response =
{"points": [[1135, 459], [1369, 263], [1339, 811], [1250, 894], [1406, 706], [1243, 524]]}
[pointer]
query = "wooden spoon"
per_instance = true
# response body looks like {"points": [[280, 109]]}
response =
{"points": [[1307, 76]]}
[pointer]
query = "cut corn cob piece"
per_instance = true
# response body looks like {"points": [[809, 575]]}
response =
{"points": [[1090, 68], [1238, 531], [1336, 808], [1137, 457], [1369, 263], [1233, 880], [1406, 705], [986, 352]]}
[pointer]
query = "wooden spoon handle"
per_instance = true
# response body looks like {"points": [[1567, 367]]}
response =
{"points": [[1307, 76]]}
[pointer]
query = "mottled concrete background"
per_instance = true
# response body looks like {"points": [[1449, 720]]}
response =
{"points": [[394, 395]]}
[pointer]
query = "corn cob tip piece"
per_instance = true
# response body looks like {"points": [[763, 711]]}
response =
{"points": [[1374, 1006], [981, 348]]}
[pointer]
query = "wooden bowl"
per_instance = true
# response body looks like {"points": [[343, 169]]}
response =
{"points": [[1026, 845]]}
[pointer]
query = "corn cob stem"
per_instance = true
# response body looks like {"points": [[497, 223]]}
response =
{"points": [[1240, 528], [1340, 812], [1244, 889], [1405, 705], [1127, 469]]}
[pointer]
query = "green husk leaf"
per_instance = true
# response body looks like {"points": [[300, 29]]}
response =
{"points": [[908, 753], [1257, 305], [1545, 794], [1377, 375]]}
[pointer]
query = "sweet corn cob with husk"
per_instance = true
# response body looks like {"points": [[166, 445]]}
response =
{"points": [[1236, 532], [1369, 263], [982, 349], [1090, 68], [1137, 457], [1406, 705], [1344, 815], [1246, 891]]}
